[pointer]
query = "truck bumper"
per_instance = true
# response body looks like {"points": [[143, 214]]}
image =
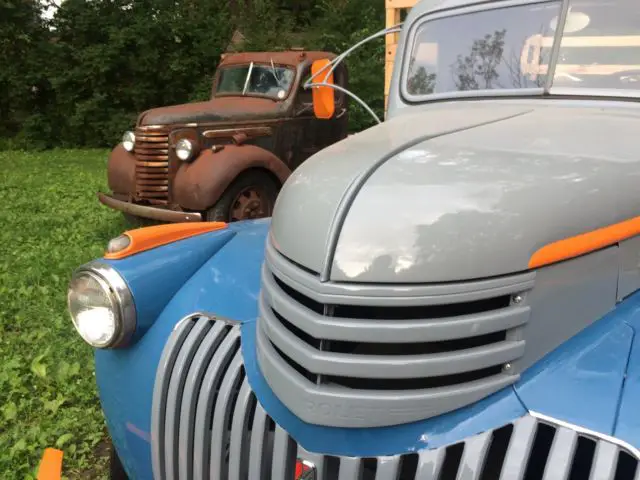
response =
{"points": [[145, 211]]}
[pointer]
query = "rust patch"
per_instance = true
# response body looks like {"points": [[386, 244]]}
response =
{"points": [[250, 132], [198, 185], [121, 171], [288, 57]]}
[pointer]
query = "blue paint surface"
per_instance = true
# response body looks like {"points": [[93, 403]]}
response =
{"points": [[156, 275], [627, 426], [227, 284], [581, 382]]}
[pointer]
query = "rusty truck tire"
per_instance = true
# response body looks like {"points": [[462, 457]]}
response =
{"points": [[250, 196]]}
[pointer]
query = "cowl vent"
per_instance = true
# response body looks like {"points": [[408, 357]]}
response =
{"points": [[365, 355]]}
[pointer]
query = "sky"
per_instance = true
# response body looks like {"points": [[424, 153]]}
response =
{"points": [[50, 11]]}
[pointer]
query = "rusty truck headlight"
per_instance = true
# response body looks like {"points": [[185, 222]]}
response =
{"points": [[101, 306], [184, 149], [128, 141]]}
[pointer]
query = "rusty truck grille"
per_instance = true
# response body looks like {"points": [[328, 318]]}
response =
{"points": [[207, 424], [152, 165]]}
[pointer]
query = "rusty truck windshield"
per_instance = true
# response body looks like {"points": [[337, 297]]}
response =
{"points": [[255, 79], [510, 48]]}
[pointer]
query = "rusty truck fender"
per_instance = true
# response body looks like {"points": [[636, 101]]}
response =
{"points": [[199, 184], [121, 171]]}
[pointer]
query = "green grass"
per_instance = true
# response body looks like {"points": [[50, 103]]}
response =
{"points": [[51, 222]]}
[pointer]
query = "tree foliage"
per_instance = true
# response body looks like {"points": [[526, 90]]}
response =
{"points": [[81, 78]]}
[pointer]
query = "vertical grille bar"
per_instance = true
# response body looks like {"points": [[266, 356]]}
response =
{"points": [[161, 386], [257, 469], [192, 385], [221, 418], [350, 468], [284, 455], [204, 410], [318, 460], [604, 463], [561, 454], [388, 468], [515, 462], [238, 446], [474, 456], [430, 464], [174, 396], [207, 424]]}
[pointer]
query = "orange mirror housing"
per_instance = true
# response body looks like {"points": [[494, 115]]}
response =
{"points": [[323, 97]]}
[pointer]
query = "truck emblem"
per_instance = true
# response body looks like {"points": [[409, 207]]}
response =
{"points": [[305, 470]]}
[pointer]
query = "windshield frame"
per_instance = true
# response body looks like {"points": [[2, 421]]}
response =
{"points": [[548, 89], [291, 88]]}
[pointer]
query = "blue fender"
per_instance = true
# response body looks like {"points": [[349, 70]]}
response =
{"points": [[581, 382]]}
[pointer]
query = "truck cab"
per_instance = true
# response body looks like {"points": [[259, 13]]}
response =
{"points": [[225, 159], [451, 294]]}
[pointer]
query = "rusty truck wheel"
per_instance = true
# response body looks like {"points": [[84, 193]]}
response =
{"points": [[252, 195]]}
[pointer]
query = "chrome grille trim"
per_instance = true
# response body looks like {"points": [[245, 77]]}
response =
{"points": [[473, 456], [203, 354], [194, 378], [204, 410], [518, 452]]}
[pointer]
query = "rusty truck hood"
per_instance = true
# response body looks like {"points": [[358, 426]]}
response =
{"points": [[458, 192], [219, 109]]}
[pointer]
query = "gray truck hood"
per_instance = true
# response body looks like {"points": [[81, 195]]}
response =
{"points": [[456, 192]]}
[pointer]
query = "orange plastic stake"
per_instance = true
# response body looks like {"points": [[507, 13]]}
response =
{"points": [[51, 465]]}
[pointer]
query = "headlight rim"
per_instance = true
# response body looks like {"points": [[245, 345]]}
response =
{"points": [[120, 297], [191, 149], [133, 140]]}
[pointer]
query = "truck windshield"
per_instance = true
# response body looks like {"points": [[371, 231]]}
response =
{"points": [[600, 47], [510, 48], [255, 79]]}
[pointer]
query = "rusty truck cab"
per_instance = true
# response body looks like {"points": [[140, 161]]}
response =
{"points": [[225, 158]]}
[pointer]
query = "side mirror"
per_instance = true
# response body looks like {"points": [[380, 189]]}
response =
{"points": [[323, 97]]}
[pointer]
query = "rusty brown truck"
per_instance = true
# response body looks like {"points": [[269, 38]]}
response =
{"points": [[225, 159]]}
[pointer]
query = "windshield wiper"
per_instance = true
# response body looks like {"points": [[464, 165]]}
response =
{"points": [[246, 82], [273, 70]]}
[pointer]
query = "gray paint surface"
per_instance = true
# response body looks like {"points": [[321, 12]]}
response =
{"points": [[310, 199], [480, 202], [496, 192]]}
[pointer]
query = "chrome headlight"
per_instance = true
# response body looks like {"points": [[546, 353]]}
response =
{"points": [[101, 306], [184, 149], [128, 141]]}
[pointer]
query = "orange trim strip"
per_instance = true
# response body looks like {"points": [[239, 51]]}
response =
{"points": [[584, 243], [51, 465], [146, 238]]}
